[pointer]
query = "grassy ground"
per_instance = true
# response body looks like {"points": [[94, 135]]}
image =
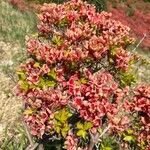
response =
{"points": [[14, 26]]}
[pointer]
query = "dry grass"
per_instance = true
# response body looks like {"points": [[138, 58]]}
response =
{"points": [[14, 26], [11, 106]]}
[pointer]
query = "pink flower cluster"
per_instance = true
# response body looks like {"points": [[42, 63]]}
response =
{"points": [[142, 99], [33, 71], [122, 59], [141, 106], [76, 32], [39, 122], [92, 100], [71, 142], [91, 97]]}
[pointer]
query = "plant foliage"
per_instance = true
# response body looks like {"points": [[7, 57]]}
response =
{"points": [[78, 82]]}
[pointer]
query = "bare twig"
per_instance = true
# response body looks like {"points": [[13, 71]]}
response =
{"points": [[28, 134], [12, 77], [104, 131], [95, 138], [144, 36], [32, 145]]}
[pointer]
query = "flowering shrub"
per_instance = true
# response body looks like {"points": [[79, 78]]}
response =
{"points": [[76, 84]]}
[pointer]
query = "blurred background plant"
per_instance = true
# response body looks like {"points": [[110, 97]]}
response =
{"points": [[19, 4], [100, 4]]}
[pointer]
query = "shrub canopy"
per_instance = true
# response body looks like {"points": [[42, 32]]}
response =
{"points": [[77, 82]]}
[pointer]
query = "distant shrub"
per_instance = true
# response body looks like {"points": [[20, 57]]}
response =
{"points": [[19, 4], [100, 4], [147, 0], [47, 1], [78, 83]]}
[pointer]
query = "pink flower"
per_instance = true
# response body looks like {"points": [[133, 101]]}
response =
{"points": [[71, 142], [45, 69], [122, 59]]}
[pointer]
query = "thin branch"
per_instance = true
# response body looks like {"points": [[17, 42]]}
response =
{"points": [[93, 140], [12, 77], [28, 134], [144, 36], [97, 138], [104, 131]]}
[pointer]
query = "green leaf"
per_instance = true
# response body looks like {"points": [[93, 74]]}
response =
{"points": [[69, 114], [24, 85], [127, 78], [65, 130], [143, 145], [65, 115], [58, 117], [62, 115], [83, 80], [80, 125], [82, 133], [57, 129], [129, 138], [34, 35], [28, 112], [41, 83], [57, 123], [113, 51], [21, 75], [130, 131], [106, 148], [57, 40], [100, 130], [32, 86], [50, 83], [52, 74], [87, 125], [61, 123], [37, 64], [45, 83], [63, 22]]}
